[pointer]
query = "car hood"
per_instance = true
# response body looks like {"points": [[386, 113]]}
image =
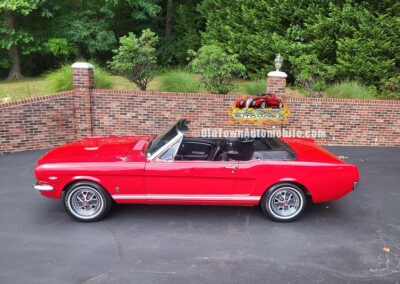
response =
{"points": [[306, 150], [95, 148]]}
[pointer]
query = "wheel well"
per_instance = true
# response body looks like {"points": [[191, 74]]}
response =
{"points": [[305, 190], [71, 183]]}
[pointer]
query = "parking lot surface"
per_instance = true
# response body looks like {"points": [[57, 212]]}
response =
{"points": [[339, 241]]}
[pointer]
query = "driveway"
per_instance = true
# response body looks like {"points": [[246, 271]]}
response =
{"points": [[337, 241]]}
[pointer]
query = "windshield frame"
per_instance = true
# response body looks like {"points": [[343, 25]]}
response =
{"points": [[151, 155]]}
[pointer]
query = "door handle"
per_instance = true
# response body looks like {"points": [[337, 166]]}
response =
{"points": [[234, 168]]}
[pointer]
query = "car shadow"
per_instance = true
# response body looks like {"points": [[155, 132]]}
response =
{"points": [[210, 212]]}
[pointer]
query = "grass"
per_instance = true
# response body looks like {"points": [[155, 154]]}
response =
{"points": [[60, 80], [179, 81], [22, 89], [349, 90], [169, 81], [255, 87]]}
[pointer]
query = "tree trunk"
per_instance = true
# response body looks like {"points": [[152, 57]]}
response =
{"points": [[84, 4], [15, 71], [75, 5], [168, 19]]}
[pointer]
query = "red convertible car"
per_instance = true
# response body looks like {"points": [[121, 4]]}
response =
{"points": [[281, 175], [260, 101]]}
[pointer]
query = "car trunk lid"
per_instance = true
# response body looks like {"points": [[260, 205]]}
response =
{"points": [[307, 150]]}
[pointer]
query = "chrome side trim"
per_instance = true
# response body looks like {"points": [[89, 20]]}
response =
{"points": [[44, 187], [185, 197]]}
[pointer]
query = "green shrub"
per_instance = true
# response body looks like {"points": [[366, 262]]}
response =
{"points": [[219, 70], [389, 88], [310, 74], [102, 78], [255, 87], [135, 58], [60, 80], [179, 81], [349, 90]]}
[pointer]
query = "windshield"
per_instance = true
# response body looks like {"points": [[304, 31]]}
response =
{"points": [[161, 139]]}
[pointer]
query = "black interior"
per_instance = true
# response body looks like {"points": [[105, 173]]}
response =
{"points": [[234, 149]]}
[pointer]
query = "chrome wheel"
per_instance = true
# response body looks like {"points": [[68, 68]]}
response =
{"points": [[85, 202], [285, 203], [263, 105]]}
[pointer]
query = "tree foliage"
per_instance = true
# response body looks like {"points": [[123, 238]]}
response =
{"points": [[321, 41], [219, 70], [135, 58], [342, 39]]}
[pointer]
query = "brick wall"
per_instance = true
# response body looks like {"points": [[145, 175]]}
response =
{"points": [[37, 123], [49, 121], [346, 122]]}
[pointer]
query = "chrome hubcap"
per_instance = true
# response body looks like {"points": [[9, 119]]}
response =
{"points": [[285, 202], [85, 201]]}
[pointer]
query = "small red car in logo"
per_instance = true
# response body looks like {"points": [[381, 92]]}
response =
{"points": [[260, 101]]}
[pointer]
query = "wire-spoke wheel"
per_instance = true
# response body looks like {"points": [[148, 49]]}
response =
{"points": [[283, 202], [87, 201]]}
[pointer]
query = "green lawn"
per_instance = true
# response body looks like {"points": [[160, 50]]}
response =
{"points": [[21, 89], [34, 87]]}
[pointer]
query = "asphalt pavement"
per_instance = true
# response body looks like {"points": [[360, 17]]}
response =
{"points": [[338, 241]]}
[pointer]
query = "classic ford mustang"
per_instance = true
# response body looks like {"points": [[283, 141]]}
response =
{"points": [[279, 174]]}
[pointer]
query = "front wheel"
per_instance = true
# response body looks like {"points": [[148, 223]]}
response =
{"points": [[87, 201], [283, 202]]}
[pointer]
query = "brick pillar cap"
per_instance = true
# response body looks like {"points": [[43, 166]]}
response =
{"points": [[83, 65], [277, 74]]}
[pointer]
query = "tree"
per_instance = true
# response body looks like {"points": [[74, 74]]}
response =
{"points": [[11, 35], [218, 69], [135, 58], [187, 24]]}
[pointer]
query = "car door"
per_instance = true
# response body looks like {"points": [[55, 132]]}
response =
{"points": [[189, 181]]}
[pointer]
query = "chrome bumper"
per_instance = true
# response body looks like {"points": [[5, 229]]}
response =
{"points": [[43, 187], [355, 184]]}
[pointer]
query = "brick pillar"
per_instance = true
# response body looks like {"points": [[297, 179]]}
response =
{"points": [[276, 83], [83, 80]]}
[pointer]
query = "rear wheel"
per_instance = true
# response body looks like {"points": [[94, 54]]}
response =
{"points": [[284, 202], [87, 201]]}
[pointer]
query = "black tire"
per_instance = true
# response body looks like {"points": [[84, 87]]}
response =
{"points": [[95, 209], [272, 200]]}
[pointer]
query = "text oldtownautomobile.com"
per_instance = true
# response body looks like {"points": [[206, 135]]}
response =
{"points": [[258, 133]]}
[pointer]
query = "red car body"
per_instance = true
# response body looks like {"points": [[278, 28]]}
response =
{"points": [[260, 101], [120, 166]]}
